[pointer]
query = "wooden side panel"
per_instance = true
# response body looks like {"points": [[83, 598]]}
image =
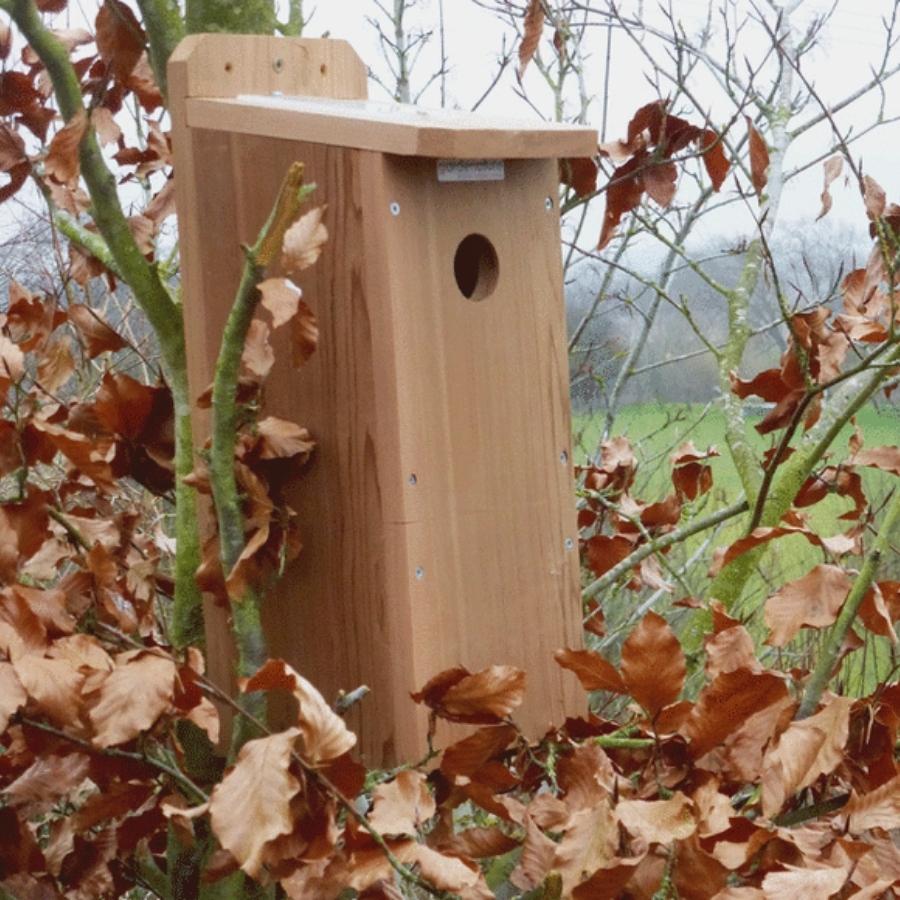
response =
{"points": [[484, 427], [330, 616]]}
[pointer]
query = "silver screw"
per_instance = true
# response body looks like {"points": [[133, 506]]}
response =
{"points": [[420, 573], [278, 64], [568, 543], [412, 480], [548, 204], [395, 208], [564, 457]]}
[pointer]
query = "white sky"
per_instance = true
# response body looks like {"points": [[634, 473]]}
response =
{"points": [[474, 38]]}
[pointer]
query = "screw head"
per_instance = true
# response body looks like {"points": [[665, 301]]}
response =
{"points": [[412, 481], [564, 457], [420, 573], [395, 208], [278, 64], [569, 544], [548, 204]]}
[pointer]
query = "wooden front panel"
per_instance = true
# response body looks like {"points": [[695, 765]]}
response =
{"points": [[483, 407], [466, 562]]}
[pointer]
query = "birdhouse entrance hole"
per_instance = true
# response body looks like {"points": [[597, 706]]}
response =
{"points": [[476, 267]]}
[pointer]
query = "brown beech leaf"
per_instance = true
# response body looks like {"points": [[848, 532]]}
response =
{"points": [[580, 174], [653, 664], [536, 860], [726, 702], [325, 736], [531, 34], [487, 696], [813, 601], [448, 873], [659, 182], [57, 365], [885, 458], [874, 197], [468, 756], [304, 334], [730, 649], [303, 241], [796, 883], [53, 685], [132, 697], [807, 749], [258, 357], [120, 38], [602, 552], [5, 40], [623, 194], [51, 6], [281, 297], [62, 162], [876, 809], [403, 805], [658, 821], [12, 694], [593, 671], [759, 158], [833, 168], [280, 439], [97, 336], [714, 158], [47, 780], [252, 804]]}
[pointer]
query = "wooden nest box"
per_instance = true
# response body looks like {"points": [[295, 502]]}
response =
{"points": [[438, 514]]}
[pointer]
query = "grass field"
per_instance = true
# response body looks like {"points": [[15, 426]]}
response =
{"points": [[655, 430]]}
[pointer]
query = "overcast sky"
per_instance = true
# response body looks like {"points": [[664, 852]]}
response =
{"points": [[474, 39]]}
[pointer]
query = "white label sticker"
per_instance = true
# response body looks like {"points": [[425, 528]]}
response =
{"points": [[471, 170]]}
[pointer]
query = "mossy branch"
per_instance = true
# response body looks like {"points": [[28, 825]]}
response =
{"points": [[165, 28], [830, 653], [246, 624], [608, 579], [151, 295]]}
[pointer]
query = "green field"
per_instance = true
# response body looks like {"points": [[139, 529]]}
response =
{"points": [[655, 430]]}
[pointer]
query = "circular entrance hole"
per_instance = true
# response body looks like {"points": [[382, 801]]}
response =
{"points": [[476, 267]]}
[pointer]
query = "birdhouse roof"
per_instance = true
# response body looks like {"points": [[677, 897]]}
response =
{"points": [[396, 128]]}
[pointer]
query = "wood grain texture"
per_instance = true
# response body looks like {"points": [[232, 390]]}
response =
{"points": [[466, 562], [392, 128]]}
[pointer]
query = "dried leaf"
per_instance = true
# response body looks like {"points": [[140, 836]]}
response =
{"points": [[281, 297], [53, 685], [132, 697], [304, 334], [531, 35], [97, 336], [593, 671], [120, 38], [653, 664], [280, 439], [325, 736], [876, 809], [12, 694], [812, 601], [402, 806], [797, 883], [725, 703], [252, 804], [833, 168], [807, 749], [303, 241], [486, 696], [759, 158], [580, 174], [62, 162], [658, 821], [659, 182], [874, 197], [717, 165]]}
